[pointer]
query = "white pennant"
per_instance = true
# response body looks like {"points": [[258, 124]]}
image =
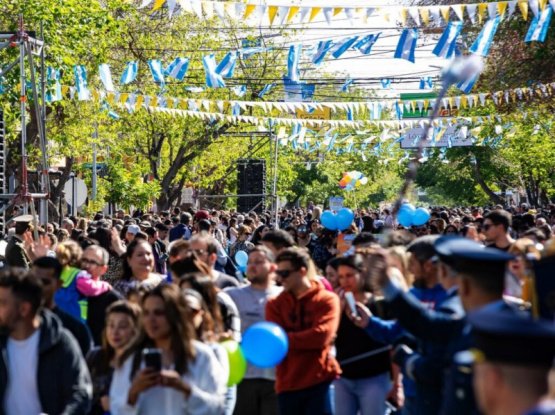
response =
{"points": [[471, 10], [145, 3], [197, 8], [470, 99], [535, 7], [458, 102], [434, 11], [413, 12], [240, 9], [512, 6], [328, 13], [350, 13], [457, 8], [260, 12], [492, 10], [482, 99], [220, 11], [208, 9], [283, 11]]}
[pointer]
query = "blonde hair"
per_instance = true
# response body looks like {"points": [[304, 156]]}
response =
{"points": [[402, 256], [243, 229], [69, 254], [316, 213]]}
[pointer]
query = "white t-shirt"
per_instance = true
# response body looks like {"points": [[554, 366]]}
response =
{"points": [[22, 393]]}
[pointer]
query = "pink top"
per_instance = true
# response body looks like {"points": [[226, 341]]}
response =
{"points": [[89, 287]]}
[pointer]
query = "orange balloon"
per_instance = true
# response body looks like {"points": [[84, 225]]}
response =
{"points": [[342, 183]]}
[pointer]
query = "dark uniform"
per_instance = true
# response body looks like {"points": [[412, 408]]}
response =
{"points": [[464, 256], [515, 340], [16, 254]]}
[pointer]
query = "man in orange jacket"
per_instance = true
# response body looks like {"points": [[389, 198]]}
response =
{"points": [[310, 316]]}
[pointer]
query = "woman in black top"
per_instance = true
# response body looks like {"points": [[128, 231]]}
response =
{"points": [[122, 325], [365, 381]]}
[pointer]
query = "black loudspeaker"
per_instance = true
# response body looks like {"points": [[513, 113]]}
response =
{"points": [[251, 180]]}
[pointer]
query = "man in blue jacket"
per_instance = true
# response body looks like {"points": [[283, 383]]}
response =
{"points": [[480, 281], [41, 367]]}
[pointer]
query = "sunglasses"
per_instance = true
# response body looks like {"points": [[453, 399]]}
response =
{"points": [[284, 273], [301, 229], [486, 227]]}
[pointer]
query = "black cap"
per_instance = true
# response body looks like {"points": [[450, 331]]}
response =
{"points": [[506, 336], [467, 256]]}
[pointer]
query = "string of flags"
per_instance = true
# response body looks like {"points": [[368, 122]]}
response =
{"points": [[371, 109], [282, 14]]}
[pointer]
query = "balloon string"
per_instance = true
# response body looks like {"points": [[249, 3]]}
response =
{"points": [[364, 355]]}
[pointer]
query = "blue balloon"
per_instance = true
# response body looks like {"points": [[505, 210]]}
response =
{"points": [[344, 218], [329, 220], [421, 217], [405, 215], [265, 344], [242, 268], [241, 258]]}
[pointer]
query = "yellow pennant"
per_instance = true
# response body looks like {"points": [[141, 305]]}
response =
{"points": [[464, 101], [501, 7], [445, 13], [337, 10], [95, 94], [523, 6], [157, 5], [139, 103], [403, 14], [123, 98], [110, 98], [451, 103], [272, 11], [543, 3], [292, 12], [481, 8], [153, 102], [250, 8], [425, 15], [314, 11], [183, 104]]}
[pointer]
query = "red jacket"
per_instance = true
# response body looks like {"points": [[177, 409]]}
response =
{"points": [[311, 322]]}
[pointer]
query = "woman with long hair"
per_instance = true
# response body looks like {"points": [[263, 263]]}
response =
{"points": [[231, 231], [109, 240], [122, 325], [189, 380], [364, 383], [138, 267], [259, 233], [242, 242]]}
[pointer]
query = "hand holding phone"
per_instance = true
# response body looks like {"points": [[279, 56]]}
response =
{"points": [[152, 359]]}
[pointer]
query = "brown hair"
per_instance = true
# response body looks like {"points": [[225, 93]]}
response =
{"points": [[182, 331], [69, 254]]}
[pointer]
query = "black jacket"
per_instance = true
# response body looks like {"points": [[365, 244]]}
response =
{"points": [[63, 379]]}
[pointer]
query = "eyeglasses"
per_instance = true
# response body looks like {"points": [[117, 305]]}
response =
{"points": [[301, 229], [196, 251], [284, 273], [85, 261], [487, 226]]}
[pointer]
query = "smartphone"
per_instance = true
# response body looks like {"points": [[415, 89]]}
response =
{"points": [[153, 359], [163, 258], [351, 301]]}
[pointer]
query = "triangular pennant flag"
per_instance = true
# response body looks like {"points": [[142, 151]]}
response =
{"points": [[512, 6], [501, 7], [403, 16], [481, 9], [292, 12], [350, 13], [248, 11], [434, 11], [492, 10], [445, 13], [535, 7], [208, 9], [283, 11], [471, 10], [305, 11], [523, 6], [328, 13], [157, 5], [458, 9], [220, 11], [543, 3], [425, 14], [313, 12], [413, 12], [272, 11]]}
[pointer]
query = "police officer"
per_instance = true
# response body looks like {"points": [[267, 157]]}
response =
{"points": [[512, 357], [16, 253], [480, 274]]}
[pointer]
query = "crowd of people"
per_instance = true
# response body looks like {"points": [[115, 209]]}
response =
{"points": [[125, 314]]}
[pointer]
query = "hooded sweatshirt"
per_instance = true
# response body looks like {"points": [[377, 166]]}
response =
{"points": [[311, 321]]}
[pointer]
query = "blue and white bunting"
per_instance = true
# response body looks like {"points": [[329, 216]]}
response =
{"points": [[323, 47], [130, 72], [365, 44], [345, 86], [539, 26], [53, 75], [483, 42], [178, 68], [386, 83], [240, 90], [467, 85], [213, 79], [266, 89], [83, 92], [340, 47], [293, 62], [106, 77], [111, 114], [407, 45], [227, 65], [157, 71], [445, 48], [426, 83]]}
